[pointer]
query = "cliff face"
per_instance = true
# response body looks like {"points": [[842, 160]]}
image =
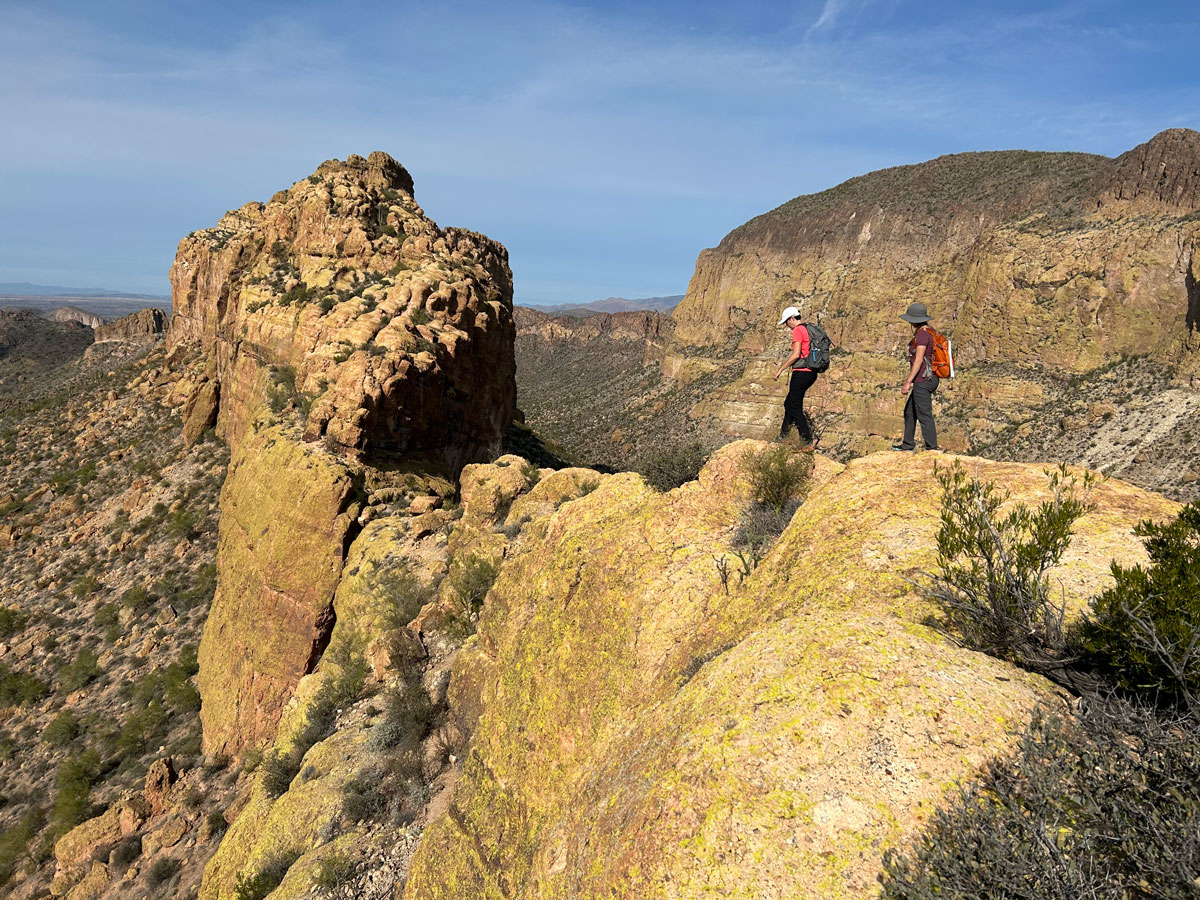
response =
{"points": [[641, 729], [344, 336], [1034, 263], [146, 323]]}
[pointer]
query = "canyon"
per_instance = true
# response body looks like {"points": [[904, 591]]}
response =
{"points": [[428, 664]]}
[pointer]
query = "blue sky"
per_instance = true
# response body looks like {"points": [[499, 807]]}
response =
{"points": [[605, 144]]}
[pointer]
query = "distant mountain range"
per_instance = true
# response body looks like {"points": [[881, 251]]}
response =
{"points": [[609, 305], [25, 289]]}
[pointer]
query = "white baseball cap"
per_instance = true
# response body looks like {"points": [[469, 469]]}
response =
{"points": [[788, 313]]}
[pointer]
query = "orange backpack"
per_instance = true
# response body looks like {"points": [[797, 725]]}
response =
{"points": [[942, 363]]}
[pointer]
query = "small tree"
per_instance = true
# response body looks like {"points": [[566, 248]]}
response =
{"points": [[991, 582]]}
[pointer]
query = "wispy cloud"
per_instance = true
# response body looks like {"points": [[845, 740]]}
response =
{"points": [[829, 16], [590, 142]]}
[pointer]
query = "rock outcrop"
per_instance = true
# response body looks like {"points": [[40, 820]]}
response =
{"points": [[644, 727], [343, 334], [75, 314], [144, 324], [1040, 266], [397, 334]]}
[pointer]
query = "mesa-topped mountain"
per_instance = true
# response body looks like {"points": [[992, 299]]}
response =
{"points": [[1047, 270]]}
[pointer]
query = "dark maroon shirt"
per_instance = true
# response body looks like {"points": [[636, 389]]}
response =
{"points": [[921, 339]]}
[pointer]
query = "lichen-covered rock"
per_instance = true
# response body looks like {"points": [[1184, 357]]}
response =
{"points": [[643, 730], [76, 847], [287, 515], [397, 332]]}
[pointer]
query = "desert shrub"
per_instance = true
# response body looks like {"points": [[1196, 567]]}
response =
{"points": [[1147, 626], [143, 727], [12, 621], [161, 872], [136, 598], [776, 475], [108, 618], [401, 590], [268, 877], [991, 585], [1104, 810], [278, 769], [281, 391], [81, 671], [124, 852], [333, 871], [20, 688], [419, 315], [16, 841], [183, 524], [72, 787], [531, 472], [62, 730], [668, 467], [177, 687], [472, 577], [759, 525], [406, 719], [215, 823], [85, 586]]}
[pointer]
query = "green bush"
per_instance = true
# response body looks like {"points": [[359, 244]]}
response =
{"points": [[20, 688], [419, 315], [1147, 626], [62, 730], [85, 586], [136, 598], [16, 841], [72, 788], [268, 877], [12, 621], [81, 671], [776, 474], [1108, 811], [278, 770], [667, 468], [991, 583], [472, 577]]}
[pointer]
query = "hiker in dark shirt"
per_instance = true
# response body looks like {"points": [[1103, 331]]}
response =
{"points": [[921, 382], [802, 379]]}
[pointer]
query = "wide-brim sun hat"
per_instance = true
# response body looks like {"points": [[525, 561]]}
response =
{"points": [[916, 314], [788, 313]]}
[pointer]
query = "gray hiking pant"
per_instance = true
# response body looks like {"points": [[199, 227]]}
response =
{"points": [[919, 408]]}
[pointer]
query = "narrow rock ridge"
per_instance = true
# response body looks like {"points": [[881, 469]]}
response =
{"points": [[344, 336]]}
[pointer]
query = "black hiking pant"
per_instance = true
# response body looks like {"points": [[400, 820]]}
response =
{"points": [[793, 405], [919, 408]]}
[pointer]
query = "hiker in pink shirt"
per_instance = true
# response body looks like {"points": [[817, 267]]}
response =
{"points": [[801, 380]]}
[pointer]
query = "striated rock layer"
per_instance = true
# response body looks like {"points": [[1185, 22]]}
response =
{"points": [[1036, 263], [343, 335], [643, 727]]}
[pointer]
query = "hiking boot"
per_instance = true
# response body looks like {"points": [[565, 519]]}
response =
{"points": [[904, 449]]}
